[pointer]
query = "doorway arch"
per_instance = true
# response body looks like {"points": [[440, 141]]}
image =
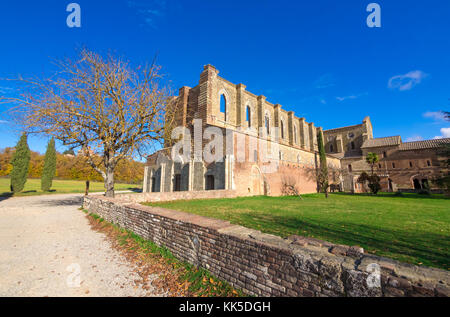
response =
{"points": [[256, 181]]}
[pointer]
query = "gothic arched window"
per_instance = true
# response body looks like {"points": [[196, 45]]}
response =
{"points": [[248, 115], [223, 105]]}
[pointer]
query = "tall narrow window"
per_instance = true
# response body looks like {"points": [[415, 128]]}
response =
{"points": [[282, 129], [428, 163], [331, 148], [267, 123], [223, 105], [353, 145], [295, 134], [248, 116], [350, 168]]}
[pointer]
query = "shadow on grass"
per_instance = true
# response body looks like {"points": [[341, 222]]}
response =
{"points": [[395, 195], [430, 249], [135, 189]]}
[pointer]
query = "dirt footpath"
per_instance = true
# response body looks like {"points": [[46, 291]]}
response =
{"points": [[47, 248]]}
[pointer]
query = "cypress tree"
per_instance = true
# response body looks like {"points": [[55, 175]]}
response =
{"points": [[323, 169], [48, 173], [20, 165]]}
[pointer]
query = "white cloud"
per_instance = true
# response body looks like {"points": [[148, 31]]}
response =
{"points": [[406, 81], [150, 11], [324, 81], [350, 97], [414, 138], [435, 115], [445, 134]]}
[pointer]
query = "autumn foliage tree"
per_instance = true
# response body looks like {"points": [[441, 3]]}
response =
{"points": [[73, 167], [100, 105]]}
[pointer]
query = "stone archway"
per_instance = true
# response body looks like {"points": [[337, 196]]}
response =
{"points": [[256, 182]]}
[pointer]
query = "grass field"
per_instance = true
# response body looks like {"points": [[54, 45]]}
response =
{"points": [[411, 228], [33, 187]]}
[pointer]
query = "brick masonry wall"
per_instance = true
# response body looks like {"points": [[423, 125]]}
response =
{"points": [[267, 265]]}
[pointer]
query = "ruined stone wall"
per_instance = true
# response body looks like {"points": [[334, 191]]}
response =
{"points": [[266, 265]]}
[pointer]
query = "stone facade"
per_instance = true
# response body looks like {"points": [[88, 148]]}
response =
{"points": [[267, 265], [248, 121], [409, 166]]}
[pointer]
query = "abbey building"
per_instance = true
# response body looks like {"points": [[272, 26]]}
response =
{"points": [[266, 149]]}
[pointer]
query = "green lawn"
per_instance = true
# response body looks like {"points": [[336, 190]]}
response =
{"points": [[412, 228], [33, 187]]}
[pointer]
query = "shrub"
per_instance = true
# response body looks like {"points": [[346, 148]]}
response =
{"points": [[372, 180], [20, 165], [48, 173]]}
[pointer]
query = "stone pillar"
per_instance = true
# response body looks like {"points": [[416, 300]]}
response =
{"points": [[260, 111], [171, 176], [276, 119], [145, 184], [205, 98], [191, 175], [290, 127], [303, 135], [183, 105], [150, 182], [312, 137], [229, 169], [240, 105], [162, 183], [339, 144]]}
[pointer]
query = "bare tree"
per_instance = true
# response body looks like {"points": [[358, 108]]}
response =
{"points": [[289, 185], [99, 105], [332, 177]]}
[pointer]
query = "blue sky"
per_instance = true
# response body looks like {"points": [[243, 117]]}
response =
{"points": [[317, 58]]}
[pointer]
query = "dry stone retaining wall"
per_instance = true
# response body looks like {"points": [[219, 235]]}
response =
{"points": [[267, 265]]}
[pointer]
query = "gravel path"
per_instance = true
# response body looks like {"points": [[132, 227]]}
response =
{"points": [[47, 248]]}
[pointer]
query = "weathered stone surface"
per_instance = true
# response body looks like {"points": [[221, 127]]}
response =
{"points": [[267, 265]]}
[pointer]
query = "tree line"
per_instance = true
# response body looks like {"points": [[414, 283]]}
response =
{"points": [[67, 166]]}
